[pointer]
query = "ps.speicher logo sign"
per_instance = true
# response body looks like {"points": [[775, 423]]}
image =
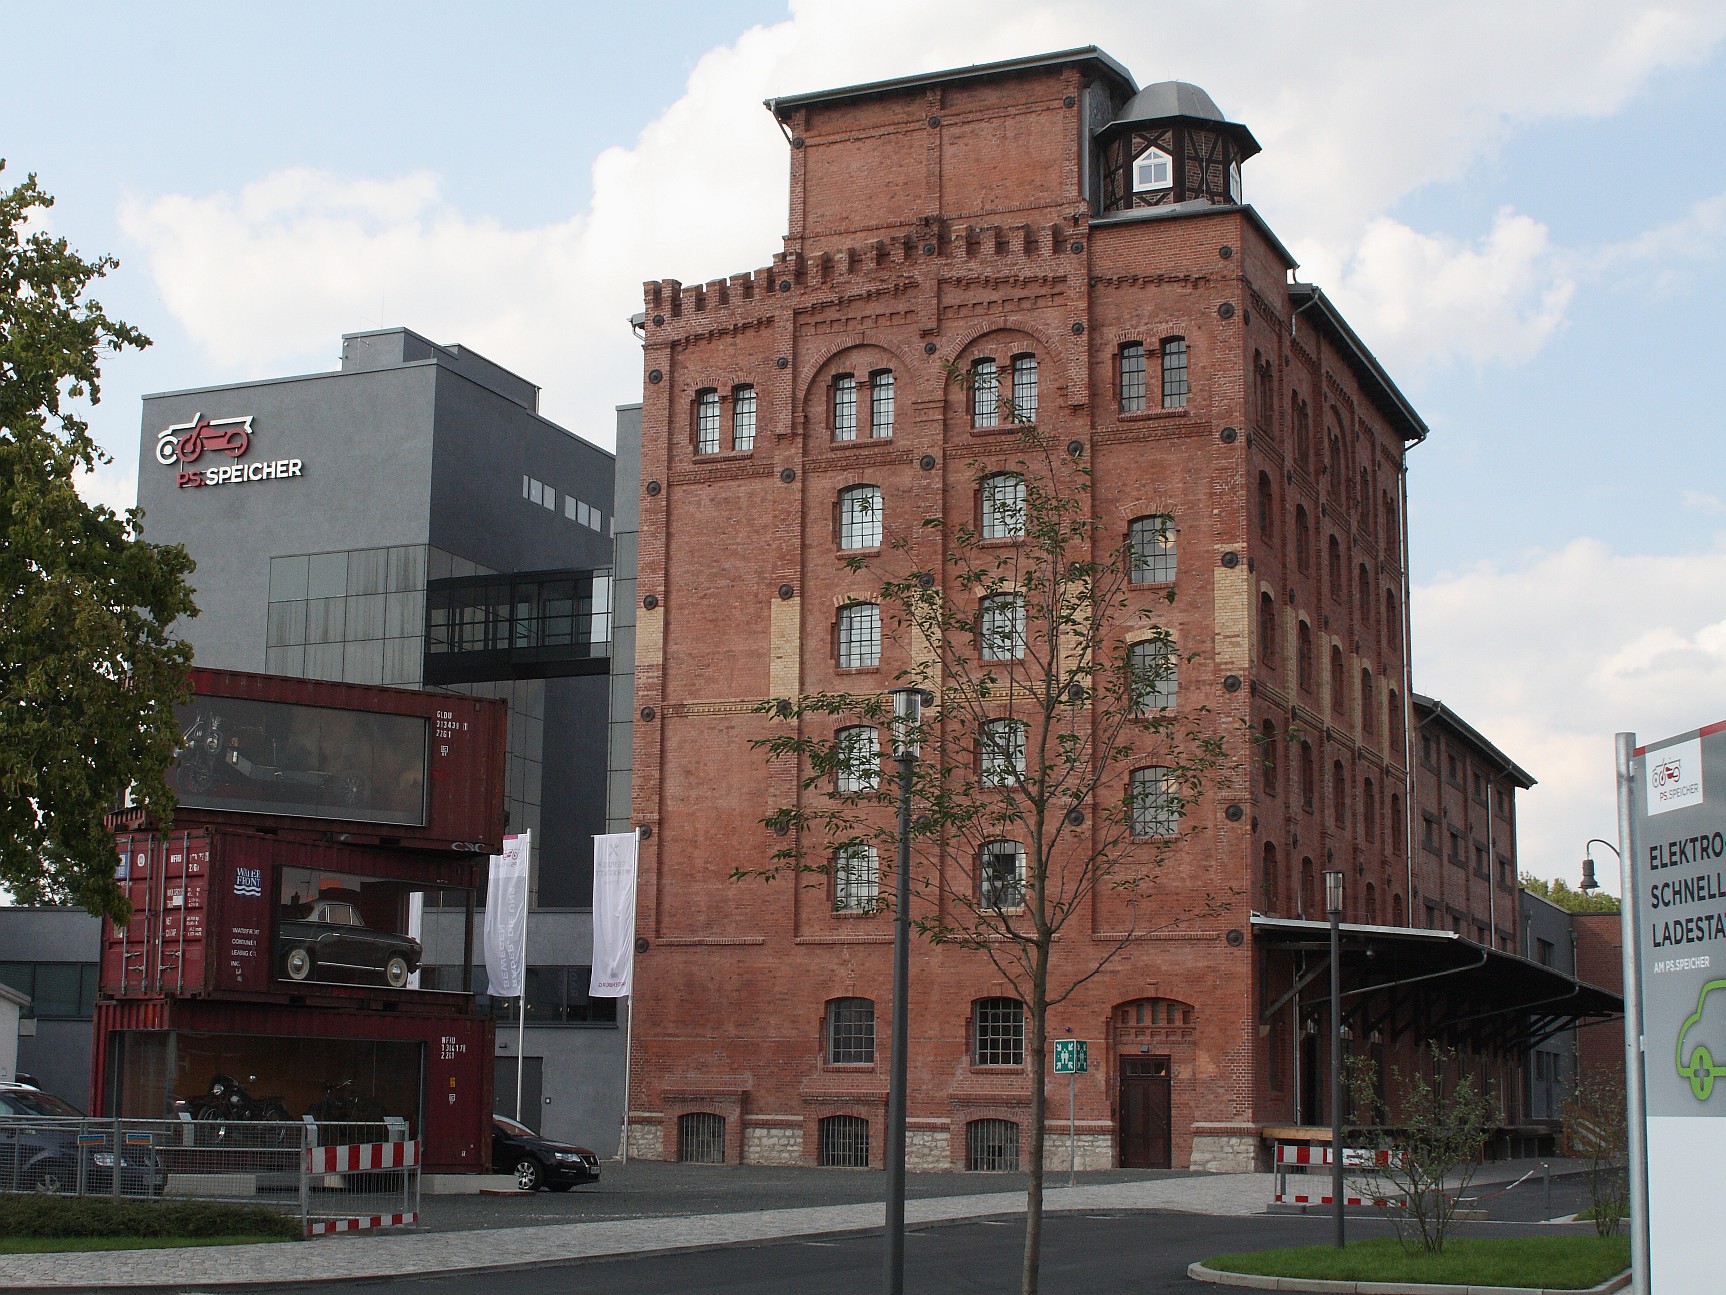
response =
{"points": [[187, 444]]}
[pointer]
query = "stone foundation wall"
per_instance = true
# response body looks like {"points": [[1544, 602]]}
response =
{"points": [[1225, 1153], [773, 1144], [647, 1141], [928, 1151], [1093, 1151]]}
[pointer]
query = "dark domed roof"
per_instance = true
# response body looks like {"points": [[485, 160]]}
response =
{"points": [[1170, 99]]}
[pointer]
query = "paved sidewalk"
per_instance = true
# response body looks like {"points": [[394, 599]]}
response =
{"points": [[409, 1253]]}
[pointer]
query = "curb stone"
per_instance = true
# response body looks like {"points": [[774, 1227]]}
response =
{"points": [[1254, 1281]]}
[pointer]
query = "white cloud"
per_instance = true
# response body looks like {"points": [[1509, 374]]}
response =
{"points": [[1703, 503], [1555, 654]]}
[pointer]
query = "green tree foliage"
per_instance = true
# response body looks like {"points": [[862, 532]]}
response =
{"points": [[1571, 901], [88, 672], [1050, 681], [1597, 1129]]}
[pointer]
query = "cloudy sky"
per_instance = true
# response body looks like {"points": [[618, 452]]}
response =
{"points": [[1520, 207]]}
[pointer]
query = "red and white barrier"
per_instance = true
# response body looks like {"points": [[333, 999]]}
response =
{"points": [[326, 1227], [362, 1157], [1301, 1157]]}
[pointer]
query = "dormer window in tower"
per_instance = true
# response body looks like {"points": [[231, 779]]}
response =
{"points": [[1153, 169], [1235, 183]]}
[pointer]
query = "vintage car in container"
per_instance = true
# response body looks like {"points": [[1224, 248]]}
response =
{"points": [[332, 941]]}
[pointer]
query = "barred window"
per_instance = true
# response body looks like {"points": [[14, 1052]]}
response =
{"points": [[1001, 746], [701, 1138], [859, 754], [992, 1146], [1003, 506], [844, 1142], [856, 878], [743, 417], [1001, 627], [998, 1032], [1132, 377], [1025, 388], [845, 407], [860, 517], [985, 394], [859, 636], [1155, 678], [1153, 802], [1174, 372], [1151, 549], [1001, 875], [851, 1032], [881, 404], [707, 422]]}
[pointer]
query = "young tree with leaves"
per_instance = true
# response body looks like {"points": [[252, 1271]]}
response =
{"points": [[1055, 771], [89, 672]]}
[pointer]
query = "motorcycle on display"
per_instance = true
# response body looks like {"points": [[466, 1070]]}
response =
{"points": [[231, 1109]]}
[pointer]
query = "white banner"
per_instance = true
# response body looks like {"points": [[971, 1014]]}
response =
{"points": [[506, 918], [613, 915]]}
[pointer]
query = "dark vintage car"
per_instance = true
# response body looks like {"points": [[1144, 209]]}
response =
{"points": [[39, 1150], [539, 1162], [332, 942]]}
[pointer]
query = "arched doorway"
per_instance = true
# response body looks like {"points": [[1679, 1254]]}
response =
{"points": [[1148, 1032]]}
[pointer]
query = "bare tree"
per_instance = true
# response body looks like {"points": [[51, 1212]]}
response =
{"points": [[1056, 769], [1597, 1129]]}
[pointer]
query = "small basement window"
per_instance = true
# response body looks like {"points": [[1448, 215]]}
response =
{"points": [[1153, 169]]}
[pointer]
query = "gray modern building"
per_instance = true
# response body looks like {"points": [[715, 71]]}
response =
{"points": [[49, 956], [411, 519]]}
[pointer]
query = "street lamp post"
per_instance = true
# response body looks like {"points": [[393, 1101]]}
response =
{"points": [[907, 721], [1589, 884], [1333, 905]]}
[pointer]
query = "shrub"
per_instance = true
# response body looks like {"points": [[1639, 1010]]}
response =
{"points": [[33, 1215]]}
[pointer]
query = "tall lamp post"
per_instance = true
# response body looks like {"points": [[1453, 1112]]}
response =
{"points": [[1589, 884], [1333, 905], [907, 725]]}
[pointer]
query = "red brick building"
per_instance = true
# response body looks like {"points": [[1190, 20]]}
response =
{"points": [[1087, 242]]}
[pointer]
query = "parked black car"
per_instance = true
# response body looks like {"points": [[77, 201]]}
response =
{"points": [[538, 1162], [332, 936], [39, 1150]]}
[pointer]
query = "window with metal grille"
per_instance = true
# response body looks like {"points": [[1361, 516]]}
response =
{"points": [[985, 394], [858, 751], [1003, 506], [1153, 804], [701, 1138], [1001, 627], [743, 417], [1001, 883], [1174, 372], [1151, 549], [845, 407], [845, 1142], [859, 636], [998, 1032], [1132, 377], [851, 1032], [1155, 674], [856, 878], [707, 422], [1025, 388], [860, 517], [1001, 745], [881, 404], [992, 1146]]}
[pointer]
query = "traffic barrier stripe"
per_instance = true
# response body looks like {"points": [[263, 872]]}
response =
{"points": [[326, 1227], [1352, 1158], [361, 1157]]}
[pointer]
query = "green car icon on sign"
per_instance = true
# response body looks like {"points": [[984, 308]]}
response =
{"points": [[1701, 1070]]}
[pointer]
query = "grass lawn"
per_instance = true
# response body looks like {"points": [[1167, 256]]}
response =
{"points": [[55, 1245], [1559, 1262]]}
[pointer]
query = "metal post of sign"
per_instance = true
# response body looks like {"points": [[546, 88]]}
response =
{"points": [[907, 719], [1635, 1079], [1072, 1127]]}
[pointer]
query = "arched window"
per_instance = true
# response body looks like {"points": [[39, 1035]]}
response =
{"points": [[1393, 722], [856, 878], [1155, 675], [997, 1032], [1339, 794], [1001, 876], [1368, 711], [1334, 568], [881, 402], [1132, 362], [1338, 695], [1024, 388], [1267, 627], [844, 406], [850, 1032], [1395, 824], [1304, 664], [1302, 432], [1392, 622], [992, 1146], [1334, 466], [1369, 810], [1001, 627], [1001, 752], [1002, 497], [1151, 549], [860, 517], [844, 1141], [1153, 805], [1392, 534], [1264, 373], [1268, 757], [1303, 541], [1268, 879], [1363, 596], [857, 752], [1174, 372], [1308, 778], [1371, 904], [743, 417], [985, 393], [1309, 906], [1267, 507], [707, 421], [1363, 502], [859, 636]]}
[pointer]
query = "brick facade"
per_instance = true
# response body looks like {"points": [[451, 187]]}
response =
{"points": [[933, 222]]}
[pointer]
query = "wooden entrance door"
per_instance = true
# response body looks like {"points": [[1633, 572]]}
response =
{"points": [[1146, 1108]]}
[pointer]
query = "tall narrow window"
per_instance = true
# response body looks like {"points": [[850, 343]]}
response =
{"points": [[1152, 804], [1001, 627], [1003, 506], [1268, 756], [1302, 431], [1333, 568], [1363, 596], [860, 517], [1395, 824], [1368, 711], [1303, 541], [1174, 372], [1303, 657], [881, 404], [707, 422], [845, 407], [1267, 628], [1339, 794], [1308, 777], [1155, 674], [851, 1032], [859, 636], [1268, 878], [1267, 507], [743, 418], [858, 752], [1024, 388], [985, 394], [998, 1032], [1338, 688], [1151, 549], [856, 878], [1001, 875], [1001, 752], [1369, 810], [1132, 377]]}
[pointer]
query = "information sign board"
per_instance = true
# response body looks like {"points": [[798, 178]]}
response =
{"points": [[1072, 1057]]}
